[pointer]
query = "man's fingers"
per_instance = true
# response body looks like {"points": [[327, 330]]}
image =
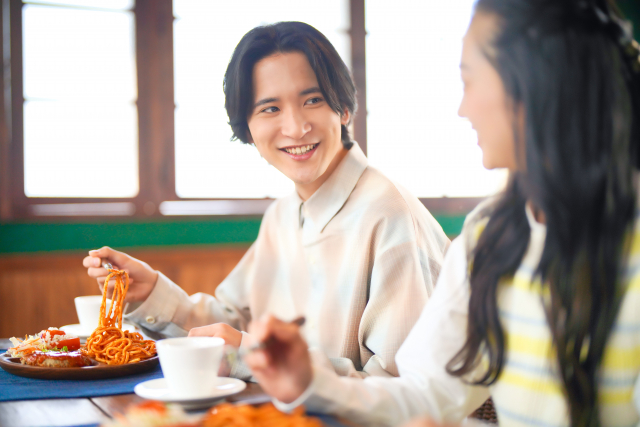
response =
{"points": [[115, 257], [97, 272], [203, 331], [90, 261]]}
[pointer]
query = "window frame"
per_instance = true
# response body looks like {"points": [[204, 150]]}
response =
{"points": [[156, 123]]}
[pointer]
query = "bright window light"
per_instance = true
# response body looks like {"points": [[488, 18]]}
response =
{"points": [[80, 119], [94, 4], [414, 134], [208, 164]]}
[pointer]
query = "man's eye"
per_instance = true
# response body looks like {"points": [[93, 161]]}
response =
{"points": [[314, 100], [269, 110]]}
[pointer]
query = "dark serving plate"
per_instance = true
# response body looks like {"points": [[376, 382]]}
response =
{"points": [[95, 372]]}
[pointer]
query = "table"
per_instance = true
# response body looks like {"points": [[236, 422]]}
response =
{"points": [[95, 410], [87, 411]]}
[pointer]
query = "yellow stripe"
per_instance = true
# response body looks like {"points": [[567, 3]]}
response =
{"points": [[635, 244], [537, 384], [538, 347], [522, 281], [549, 386], [616, 397], [614, 357], [622, 358], [634, 284]]}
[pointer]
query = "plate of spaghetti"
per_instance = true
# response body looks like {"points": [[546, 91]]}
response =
{"points": [[109, 351]]}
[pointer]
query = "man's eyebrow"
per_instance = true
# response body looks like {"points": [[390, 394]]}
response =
{"points": [[314, 89], [264, 101]]}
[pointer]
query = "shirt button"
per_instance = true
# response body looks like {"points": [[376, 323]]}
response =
{"points": [[150, 319], [312, 261]]}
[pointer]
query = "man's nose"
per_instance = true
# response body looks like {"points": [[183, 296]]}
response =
{"points": [[295, 124]]}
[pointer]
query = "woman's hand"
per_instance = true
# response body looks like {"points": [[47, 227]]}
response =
{"points": [[282, 366], [142, 278]]}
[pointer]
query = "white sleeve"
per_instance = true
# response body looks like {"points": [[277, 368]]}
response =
{"points": [[169, 311], [424, 388]]}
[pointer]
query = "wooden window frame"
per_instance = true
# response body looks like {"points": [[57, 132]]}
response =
{"points": [[156, 123]]}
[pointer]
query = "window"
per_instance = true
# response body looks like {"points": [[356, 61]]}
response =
{"points": [[80, 118], [413, 92], [116, 106], [208, 165]]}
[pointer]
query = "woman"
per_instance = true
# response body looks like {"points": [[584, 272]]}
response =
{"points": [[538, 302], [352, 252]]}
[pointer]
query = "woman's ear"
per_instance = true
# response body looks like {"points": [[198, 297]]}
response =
{"points": [[250, 138], [346, 117]]}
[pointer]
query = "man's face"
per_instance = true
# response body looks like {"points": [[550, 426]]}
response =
{"points": [[291, 124]]}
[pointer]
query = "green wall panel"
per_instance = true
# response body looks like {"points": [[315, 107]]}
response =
{"points": [[39, 237], [46, 237]]}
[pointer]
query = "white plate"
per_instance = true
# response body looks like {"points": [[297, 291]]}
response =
{"points": [[159, 390], [77, 330]]}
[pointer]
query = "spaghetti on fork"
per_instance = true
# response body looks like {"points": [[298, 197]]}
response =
{"points": [[109, 343]]}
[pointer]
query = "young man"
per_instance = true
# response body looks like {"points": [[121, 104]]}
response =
{"points": [[354, 253]]}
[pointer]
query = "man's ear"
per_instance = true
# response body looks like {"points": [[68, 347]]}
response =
{"points": [[346, 117]]}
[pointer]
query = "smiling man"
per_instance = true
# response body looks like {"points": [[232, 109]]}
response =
{"points": [[349, 250]]}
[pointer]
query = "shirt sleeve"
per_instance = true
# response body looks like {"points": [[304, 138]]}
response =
{"points": [[170, 312], [424, 388], [400, 286]]}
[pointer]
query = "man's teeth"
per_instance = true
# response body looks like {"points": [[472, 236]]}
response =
{"points": [[300, 150]]}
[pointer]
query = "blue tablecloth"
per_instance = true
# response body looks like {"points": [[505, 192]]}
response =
{"points": [[13, 387], [18, 388]]}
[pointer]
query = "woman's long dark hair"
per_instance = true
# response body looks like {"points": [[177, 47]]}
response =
{"points": [[563, 64]]}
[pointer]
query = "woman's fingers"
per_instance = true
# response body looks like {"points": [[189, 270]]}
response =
{"points": [[257, 360], [271, 327]]}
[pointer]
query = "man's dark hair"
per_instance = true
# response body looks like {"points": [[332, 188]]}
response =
{"points": [[333, 75]]}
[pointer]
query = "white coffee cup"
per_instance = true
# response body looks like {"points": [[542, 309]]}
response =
{"points": [[88, 309], [190, 365]]}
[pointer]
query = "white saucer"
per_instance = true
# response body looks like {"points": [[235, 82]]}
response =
{"points": [[77, 330], [159, 390]]}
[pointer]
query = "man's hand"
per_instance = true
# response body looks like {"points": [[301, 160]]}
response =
{"points": [[425, 422], [282, 365], [142, 278], [232, 338], [230, 335]]}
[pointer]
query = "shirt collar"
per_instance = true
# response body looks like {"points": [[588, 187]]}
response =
{"points": [[325, 203]]}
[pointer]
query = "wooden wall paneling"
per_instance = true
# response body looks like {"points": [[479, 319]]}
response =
{"points": [[37, 291], [359, 70], [12, 64], [5, 113], [154, 53]]}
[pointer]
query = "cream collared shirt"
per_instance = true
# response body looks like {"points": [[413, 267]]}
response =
{"points": [[358, 259]]}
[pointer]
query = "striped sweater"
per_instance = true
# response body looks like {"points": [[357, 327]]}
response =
{"points": [[531, 369]]}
